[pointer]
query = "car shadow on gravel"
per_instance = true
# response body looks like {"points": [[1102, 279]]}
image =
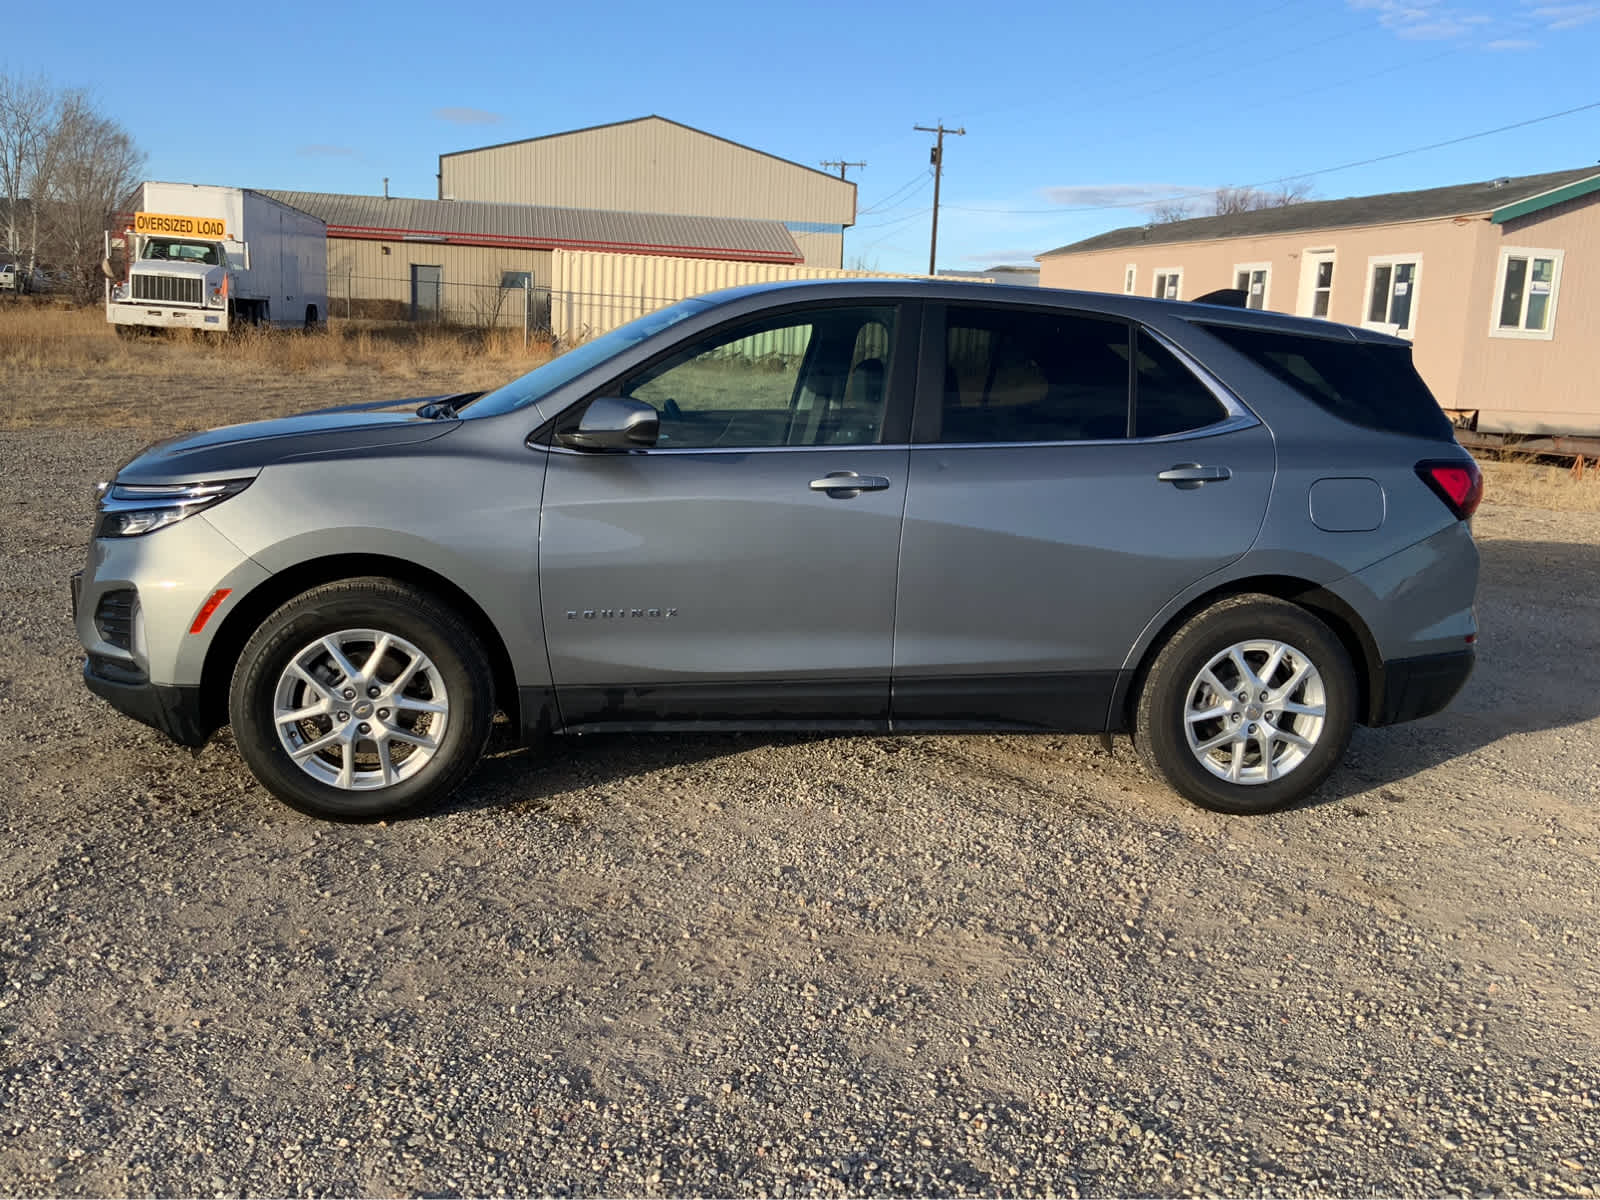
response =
{"points": [[1539, 616], [536, 777]]}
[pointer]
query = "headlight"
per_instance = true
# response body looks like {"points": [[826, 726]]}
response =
{"points": [[132, 509], [217, 297]]}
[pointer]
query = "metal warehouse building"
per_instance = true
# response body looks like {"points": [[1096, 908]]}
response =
{"points": [[475, 263], [651, 164]]}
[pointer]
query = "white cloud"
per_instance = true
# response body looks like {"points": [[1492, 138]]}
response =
{"points": [[1511, 44], [1121, 195], [1425, 20], [468, 116], [1563, 16]]}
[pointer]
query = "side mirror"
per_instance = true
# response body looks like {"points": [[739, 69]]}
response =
{"points": [[614, 423], [106, 269]]}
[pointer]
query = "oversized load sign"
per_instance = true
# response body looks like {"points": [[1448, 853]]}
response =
{"points": [[214, 228]]}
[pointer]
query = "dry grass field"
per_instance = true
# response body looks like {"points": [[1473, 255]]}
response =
{"points": [[66, 368]]}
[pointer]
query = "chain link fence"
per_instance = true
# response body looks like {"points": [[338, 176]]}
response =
{"points": [[518, 304]]}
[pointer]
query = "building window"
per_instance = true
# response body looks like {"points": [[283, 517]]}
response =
{"points": [[1316, 283], [1392, 293], [1168, 283], [1251, 279], [1129, 276], [516, 279], [1525, 294]]}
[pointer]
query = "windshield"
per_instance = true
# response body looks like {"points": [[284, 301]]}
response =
{"points": [[167, 250], [564, 368]]}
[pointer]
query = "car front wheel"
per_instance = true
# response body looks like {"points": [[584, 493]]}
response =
{"points": [[362, 699], [1248, 707]]}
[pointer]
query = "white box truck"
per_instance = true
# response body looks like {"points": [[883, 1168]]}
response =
{"points": [[215, 258]]}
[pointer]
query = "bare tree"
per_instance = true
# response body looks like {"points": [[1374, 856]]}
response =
{"points": [[1226, 200], [1248, 199], [27, 117], [93, 165], [1170, 211]]}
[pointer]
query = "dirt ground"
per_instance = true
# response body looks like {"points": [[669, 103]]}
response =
{"points": [[783, 965]]}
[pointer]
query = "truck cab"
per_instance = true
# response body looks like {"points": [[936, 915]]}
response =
{"points": [[174, 282]]}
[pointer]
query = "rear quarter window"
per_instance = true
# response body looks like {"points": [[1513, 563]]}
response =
{"points": [[1372, 385]]}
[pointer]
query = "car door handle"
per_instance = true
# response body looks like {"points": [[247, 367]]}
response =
{"points": [[1194, 473], [841, 485]]}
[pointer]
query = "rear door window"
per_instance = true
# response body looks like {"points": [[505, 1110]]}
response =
{"points": [[1020, 375], [1369, 384], [1168, 399]]}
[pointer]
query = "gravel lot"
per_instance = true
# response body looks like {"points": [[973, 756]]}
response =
{"points": [[746, 965]]}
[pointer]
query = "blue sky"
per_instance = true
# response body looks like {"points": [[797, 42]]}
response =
{"points": [[1068, 107]]}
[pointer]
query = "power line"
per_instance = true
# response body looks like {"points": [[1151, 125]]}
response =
{"points": [[1363, 162], [834, 162], [919, 177]]}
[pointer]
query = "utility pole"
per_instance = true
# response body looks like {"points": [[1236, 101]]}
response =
{"points": [[833, 162], [937, 158]]}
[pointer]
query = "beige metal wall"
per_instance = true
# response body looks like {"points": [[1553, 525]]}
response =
{"points": [[375, 278], [648, 166], [1531, 385], [820, 249], [1449, 252], [591, 292]]}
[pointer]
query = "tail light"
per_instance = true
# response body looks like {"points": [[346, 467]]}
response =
{"points": [[1459, 484]]}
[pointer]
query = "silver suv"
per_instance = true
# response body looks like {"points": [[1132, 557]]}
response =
{"points": [[861, 506]]}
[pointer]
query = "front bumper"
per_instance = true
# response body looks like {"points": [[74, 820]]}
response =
{"points": [[1420, 687], [174, 710], [165, 316]]}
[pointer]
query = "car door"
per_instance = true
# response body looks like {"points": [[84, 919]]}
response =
{"points": [[740, 571], [1070, 474]]}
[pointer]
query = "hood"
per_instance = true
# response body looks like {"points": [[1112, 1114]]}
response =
{"points": [[244, 449], [162, 266]]}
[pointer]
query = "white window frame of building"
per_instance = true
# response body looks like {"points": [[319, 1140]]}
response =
{"points": [[1130, 278], [1169, 283], [1250, 271], [1309, 262], [1530, 255], [1393, 262]]}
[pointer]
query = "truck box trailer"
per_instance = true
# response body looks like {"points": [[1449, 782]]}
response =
{"points": [[216, 258]]}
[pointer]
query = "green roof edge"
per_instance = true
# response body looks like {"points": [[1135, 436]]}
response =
{"points": [[1571, 191]]}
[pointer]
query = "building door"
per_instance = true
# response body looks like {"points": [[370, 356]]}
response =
{"points": [[426, 283], [1316, 283]]}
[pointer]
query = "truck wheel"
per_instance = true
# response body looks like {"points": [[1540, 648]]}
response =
{"points": [[1248, 707], [362, 699]]}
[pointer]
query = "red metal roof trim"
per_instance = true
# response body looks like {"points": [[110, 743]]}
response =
{"points": [[498, 241]]}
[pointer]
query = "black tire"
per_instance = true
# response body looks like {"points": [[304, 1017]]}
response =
{"points": [[1159, 727], [384, 606], [313, 322]]}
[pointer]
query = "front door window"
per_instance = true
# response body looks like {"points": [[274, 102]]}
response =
{"points": [[812, 380]]}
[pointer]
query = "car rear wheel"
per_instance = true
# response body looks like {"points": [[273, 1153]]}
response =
{"points": [[362, 699], [1248, 707]]}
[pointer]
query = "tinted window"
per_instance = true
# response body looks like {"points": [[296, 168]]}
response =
{"points": [[1017, 376], [1375, 386], [1169, 399], [806, 379]]}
